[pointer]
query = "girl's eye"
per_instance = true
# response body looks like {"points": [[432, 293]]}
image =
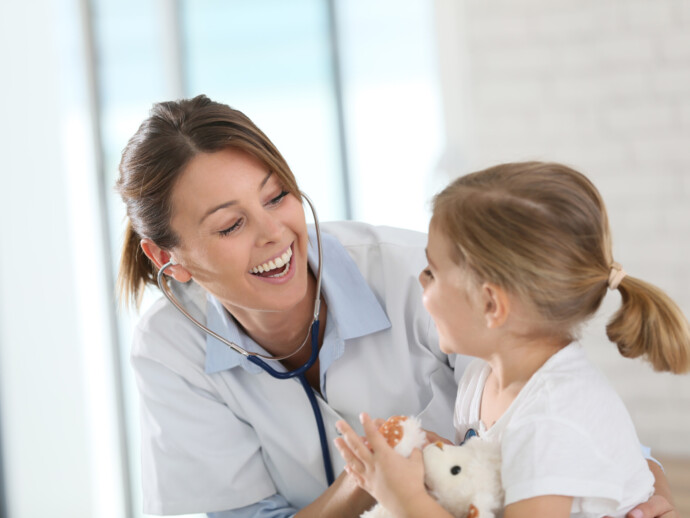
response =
{"points": [[427, 273], [231, 229], [276, 200]]}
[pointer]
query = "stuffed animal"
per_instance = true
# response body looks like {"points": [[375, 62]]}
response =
{"points": [[465, 480]]}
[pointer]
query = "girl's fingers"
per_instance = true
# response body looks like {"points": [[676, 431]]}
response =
{"points": [[355, 476], [353, 463], [354, 443], [374, 438], [378, 422]]}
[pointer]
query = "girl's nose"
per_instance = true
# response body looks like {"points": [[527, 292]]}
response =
{"points": [[422, 279]]}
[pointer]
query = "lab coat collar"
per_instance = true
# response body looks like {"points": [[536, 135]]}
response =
{"points": [[352, 307]]}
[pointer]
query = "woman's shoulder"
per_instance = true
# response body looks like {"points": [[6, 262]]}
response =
{"points": [[163, 328], [381, 252], [356, 233]]}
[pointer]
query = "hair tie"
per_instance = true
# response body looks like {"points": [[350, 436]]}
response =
{"points": [[616, 276]]}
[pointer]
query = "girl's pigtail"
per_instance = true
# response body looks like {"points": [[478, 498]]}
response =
{"points": [[650, 324]]}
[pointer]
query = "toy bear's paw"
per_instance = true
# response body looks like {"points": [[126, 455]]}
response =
{"points": [[403, 433], [392, 430]]}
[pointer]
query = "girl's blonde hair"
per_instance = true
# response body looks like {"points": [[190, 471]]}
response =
{"points": [[540, 230], [157, 154]]}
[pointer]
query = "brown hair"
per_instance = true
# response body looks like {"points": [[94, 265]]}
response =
{"points": [[540, 230], [157, 154]]}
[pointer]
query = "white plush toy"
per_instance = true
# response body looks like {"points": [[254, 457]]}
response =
{"points": [[465, 479]]}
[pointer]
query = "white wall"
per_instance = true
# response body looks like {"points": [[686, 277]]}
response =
{"points": [[45, 454], [604, 86], [61, 456]]}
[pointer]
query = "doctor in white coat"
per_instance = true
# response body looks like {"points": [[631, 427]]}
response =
{"points": [[207, 192]]}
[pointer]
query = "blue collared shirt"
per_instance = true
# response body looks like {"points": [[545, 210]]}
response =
{"points": [[217, 433], [353, 311]]}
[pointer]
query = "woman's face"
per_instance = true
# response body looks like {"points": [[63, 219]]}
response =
{"points": [[242, 236], [448, 298]]}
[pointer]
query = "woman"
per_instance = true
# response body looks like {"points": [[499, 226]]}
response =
{"points": [[207, 192]]}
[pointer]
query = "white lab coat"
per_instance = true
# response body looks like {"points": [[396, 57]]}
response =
{"points": [[217, 438]]}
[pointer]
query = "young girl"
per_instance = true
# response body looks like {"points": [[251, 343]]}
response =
{"points": [[519, 257]]}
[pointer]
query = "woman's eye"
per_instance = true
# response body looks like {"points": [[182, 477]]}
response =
{"points": [[428, 274], [276, 200], [231, 228]]}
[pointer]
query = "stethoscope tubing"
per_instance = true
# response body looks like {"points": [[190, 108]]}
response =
{"points": [[258, 359], [300, 373]]}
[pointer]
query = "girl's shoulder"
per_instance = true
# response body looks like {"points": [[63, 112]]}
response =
{"points": [[569, 388]]}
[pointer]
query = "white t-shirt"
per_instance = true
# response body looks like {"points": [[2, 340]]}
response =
{"points": [[566, 433]]}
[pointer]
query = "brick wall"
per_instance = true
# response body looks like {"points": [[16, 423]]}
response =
{"points": [[604, 86]]}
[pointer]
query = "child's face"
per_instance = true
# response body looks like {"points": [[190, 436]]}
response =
{"points": [[448, 297]]}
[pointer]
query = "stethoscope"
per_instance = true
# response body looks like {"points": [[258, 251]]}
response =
{"points": [[258, 359]]}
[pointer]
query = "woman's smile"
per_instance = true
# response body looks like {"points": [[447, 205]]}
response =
{"points": [[277, 269], [243, 236]]}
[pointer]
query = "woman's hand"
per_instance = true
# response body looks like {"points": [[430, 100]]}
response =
{"points": [[656, 507], [389, 477], [660, 505]]}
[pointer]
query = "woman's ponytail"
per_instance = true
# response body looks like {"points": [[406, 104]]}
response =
{"points": [[136, 270], [650, 324]]}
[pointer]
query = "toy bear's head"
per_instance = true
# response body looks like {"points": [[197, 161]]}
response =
{"points": [[465, 479]]}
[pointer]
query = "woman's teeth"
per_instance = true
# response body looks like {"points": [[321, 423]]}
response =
{"points": [[274, 264]]}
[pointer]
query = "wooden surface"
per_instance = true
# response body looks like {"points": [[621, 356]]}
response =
{"points": [[678, 474]]}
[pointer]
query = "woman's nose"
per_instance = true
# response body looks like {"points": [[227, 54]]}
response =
{"points": [[270, 228]]}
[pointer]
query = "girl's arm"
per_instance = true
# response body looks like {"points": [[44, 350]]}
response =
{"points": [[553, 506], [395, 481]]}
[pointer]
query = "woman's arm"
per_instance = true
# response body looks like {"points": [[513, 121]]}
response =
{"points": [[343, 498], [553, 506], [661, 504]]}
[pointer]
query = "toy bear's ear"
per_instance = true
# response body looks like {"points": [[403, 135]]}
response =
{"points": [[473, 512]]}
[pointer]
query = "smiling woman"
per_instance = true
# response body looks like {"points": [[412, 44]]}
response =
{"points": [[245, 219], [213, 206]]}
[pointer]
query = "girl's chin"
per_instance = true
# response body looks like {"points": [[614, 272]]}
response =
{"points": [[447, 348]]}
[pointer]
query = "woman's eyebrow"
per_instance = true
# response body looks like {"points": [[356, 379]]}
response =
{"points": [[233, 202]]}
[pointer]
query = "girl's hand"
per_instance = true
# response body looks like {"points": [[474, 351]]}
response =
{"points": [[378, 469]]}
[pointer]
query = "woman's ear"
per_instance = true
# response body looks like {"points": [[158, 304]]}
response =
{"points": [[161, 257], [496, 305]]}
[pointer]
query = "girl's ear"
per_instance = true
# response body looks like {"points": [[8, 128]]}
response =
{"points": [[161, 257], [496, 305]]}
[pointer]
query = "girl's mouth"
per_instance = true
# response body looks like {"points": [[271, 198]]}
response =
{"points": [[276, 267]]}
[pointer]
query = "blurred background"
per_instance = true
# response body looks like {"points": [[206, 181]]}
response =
{"points": [[376, 105]]}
